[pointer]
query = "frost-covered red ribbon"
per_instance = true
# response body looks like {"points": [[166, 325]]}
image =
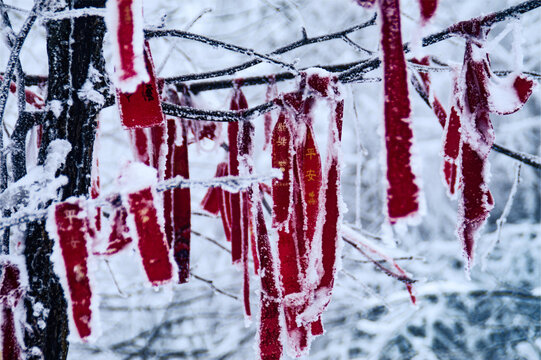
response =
{"points": [[212, 198], [11, 326], [119, 236], [428, 9], [145, 217], [234, 198], [140, 141], [482, 93], [125, 24], [216, 197], [158, 137], [141, 107], [286, 216], [269, 334], [68, 224], [244, 163], [330, 236], [402, 191], [181, 199], [310, 185], [451, 142]]}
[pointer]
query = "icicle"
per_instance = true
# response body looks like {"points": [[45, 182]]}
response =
{"points": [[11, 293], [142, 107], [68, 225], [402, 191], [125, 23]]}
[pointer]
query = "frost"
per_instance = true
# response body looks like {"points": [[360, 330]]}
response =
{"points": [[124, 21], [56, 107], [40, 185]]}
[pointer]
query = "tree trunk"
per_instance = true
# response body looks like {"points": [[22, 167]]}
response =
{"points": [[74, 48]]}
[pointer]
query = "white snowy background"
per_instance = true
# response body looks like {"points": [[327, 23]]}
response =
{"points": [[495, 315]]}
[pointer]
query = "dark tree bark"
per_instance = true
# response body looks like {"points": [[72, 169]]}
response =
{"points": [[74, 49]]}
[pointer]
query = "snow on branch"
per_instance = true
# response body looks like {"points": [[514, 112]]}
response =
{"points": [[228, 183], [294, 45], [152, 33]]}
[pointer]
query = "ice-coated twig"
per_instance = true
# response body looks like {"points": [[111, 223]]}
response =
{"points": [[216, 115], [488, 20], [228, 183], [363, 246], [503, 218], [213, 287], [72, 13], [294, 45], [152, 33], [6, 82], [211, 240]]}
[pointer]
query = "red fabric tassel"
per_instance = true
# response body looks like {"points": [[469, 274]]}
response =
{"points": [[10, 295], [158, 138], [287, 218], [476, 132], [125, 24], [234, 198], [402, 192], [270, 346], [211, 200], [182, 209], [217, 197], [119, 237], [331, 226], [140, 140], [428, 9], [151, 243], [244, 148], [142, 108], [72, 233]]}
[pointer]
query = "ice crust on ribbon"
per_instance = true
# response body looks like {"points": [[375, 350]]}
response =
{"points": [[124, 21], [68, 224]]}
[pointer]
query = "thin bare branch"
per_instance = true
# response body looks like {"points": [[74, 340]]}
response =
{"points": [[153, 33], [211, 284], [294, 45]]}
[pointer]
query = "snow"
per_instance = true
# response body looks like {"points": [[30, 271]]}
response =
{"points": [[202, 323]]}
